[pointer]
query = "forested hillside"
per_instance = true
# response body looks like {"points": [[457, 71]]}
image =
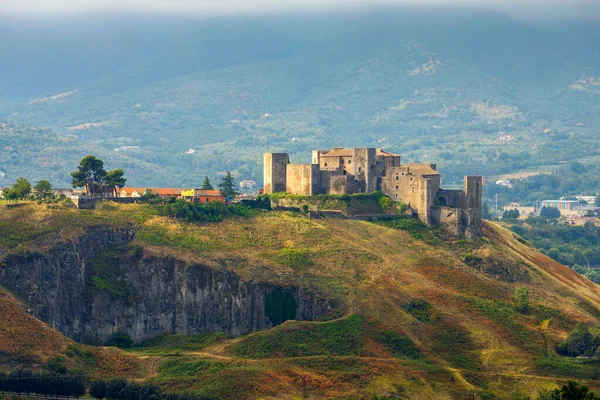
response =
{"points": [[474, 91]]}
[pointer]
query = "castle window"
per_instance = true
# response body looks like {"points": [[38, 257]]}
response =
{"points": [[325, 164], [283, 162], [396, 195], [411, 179], [344, 172], [359, 169], [396, 187], [349, 161], [396, 177], [413, 189], [403, 174]]}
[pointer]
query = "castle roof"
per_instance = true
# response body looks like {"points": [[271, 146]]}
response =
{"points": [[422, 169], [342, 152], [338, 152]]}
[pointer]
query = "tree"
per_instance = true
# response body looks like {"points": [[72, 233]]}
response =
{"points": [[120, 339], [42, 189], [227, 186], [20, 189], [554, 254], [206, 185], [573, 391], [511, 214], [550, 212], [114, 178], [90, 174], [115, 387], [98, 389], [522, 297]]}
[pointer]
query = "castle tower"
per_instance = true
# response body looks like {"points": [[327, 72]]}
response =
{"points": [[275, 171], [364, 168], [473, 197]]}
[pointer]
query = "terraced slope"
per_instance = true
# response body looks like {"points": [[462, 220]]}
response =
{"points": [[413, 312]]}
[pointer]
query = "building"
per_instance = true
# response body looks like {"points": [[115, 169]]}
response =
{"points": [[247, 184], [166, 192], [561, 204], [365, 170], [203, 196], [131, 192], [576, 220]]}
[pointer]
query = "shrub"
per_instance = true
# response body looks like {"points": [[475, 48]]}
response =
{"points": [[401, 345], [296, 259], [422, 311], [522, 299], [120, 339]]}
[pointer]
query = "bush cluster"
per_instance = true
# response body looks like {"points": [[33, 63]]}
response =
{"points": [[202, 212], [581, 342]]}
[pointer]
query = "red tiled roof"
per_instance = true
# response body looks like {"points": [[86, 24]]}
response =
{"points": [[163, 191]]}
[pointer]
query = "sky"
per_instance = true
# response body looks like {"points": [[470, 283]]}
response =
{"points": [[521, 9]]}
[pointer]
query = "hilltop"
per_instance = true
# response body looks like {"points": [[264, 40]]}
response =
{"points": [[390, 308], [475, 91]]}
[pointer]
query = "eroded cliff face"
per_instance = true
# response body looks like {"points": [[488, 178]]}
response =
{"points": [[145, 296]]}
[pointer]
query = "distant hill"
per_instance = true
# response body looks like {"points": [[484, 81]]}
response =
{"points": [[408, 312], [464, 88]]}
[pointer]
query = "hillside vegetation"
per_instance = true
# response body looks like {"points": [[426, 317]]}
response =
{"points": [[417, 314]]}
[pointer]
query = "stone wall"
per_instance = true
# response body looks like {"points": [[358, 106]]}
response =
{"points": [[303, 179]]}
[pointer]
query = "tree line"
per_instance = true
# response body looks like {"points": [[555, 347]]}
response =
{"points": [[96, 181], [49, 384], [27, 382]]}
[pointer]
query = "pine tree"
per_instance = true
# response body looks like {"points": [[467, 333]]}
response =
{"points": [[227, 186], [206, 185]]}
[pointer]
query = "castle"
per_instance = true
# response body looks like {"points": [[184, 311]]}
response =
{"points": [[365, 170]]}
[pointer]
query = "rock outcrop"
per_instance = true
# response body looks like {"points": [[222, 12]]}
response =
{"points": [[162, 294]]}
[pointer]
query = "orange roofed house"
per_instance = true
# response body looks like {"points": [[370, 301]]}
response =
{"points": [[203, 196], [139, 192]]}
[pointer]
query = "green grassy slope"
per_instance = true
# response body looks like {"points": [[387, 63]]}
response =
{"points": [[422, 318]]}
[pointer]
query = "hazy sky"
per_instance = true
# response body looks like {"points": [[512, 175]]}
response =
{"points": [[525, 9]]}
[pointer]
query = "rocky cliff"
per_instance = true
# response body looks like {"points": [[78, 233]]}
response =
{"points": [[98, 284]]}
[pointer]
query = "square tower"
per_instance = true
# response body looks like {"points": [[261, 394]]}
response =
{"points": [[275, 171]]}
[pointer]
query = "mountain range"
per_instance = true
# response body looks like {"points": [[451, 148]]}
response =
{"points": [[172, 99]]}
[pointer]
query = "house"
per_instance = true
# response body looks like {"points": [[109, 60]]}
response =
{"points": [[166, 192], [247, 184], [203, 196], [576, 220], [131, 192]]}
